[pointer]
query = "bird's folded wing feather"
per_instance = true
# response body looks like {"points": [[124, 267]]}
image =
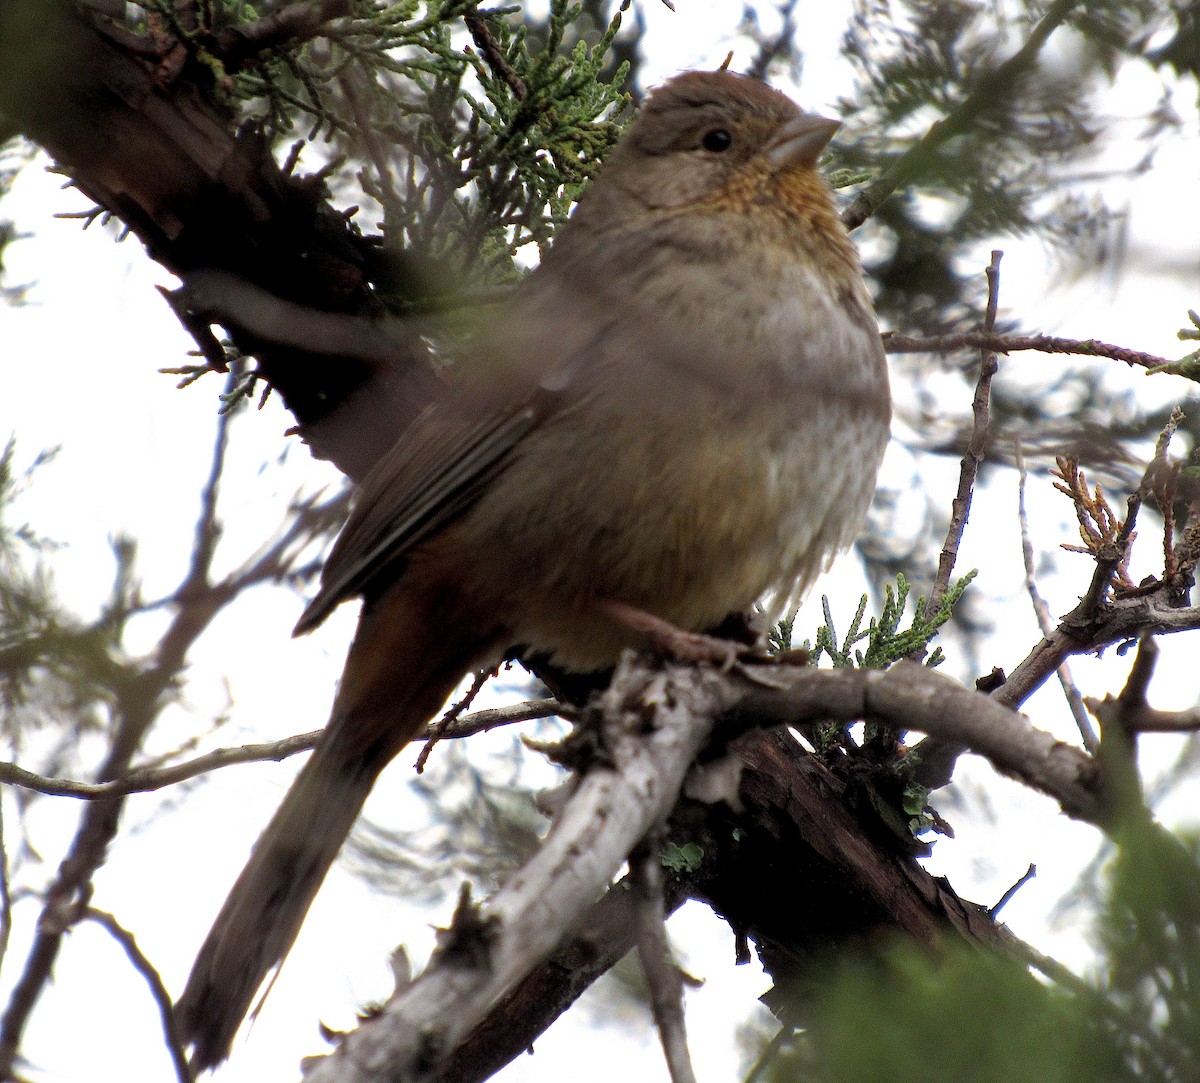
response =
{"points": [[430, 475], [448, 456]]}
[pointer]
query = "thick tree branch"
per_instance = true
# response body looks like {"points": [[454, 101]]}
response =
{"points": [[656, 721], [604, 937], [164, 159]]}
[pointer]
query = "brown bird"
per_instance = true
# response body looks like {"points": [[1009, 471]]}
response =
{"points": [[682, 411]]}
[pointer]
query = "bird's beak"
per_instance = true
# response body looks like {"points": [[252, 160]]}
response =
{"points": [[800, 140]]}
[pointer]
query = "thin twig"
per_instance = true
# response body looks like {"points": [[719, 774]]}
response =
{"points": [[138, 703], [992, 89], [435, 732], [1103, 616], [779, 44], [1111, 560], [1070, 689], [1006, 898], [619, 801], [385, 188], [144, 781], [894, 342], [154, 983], [975, 451], [491, 52], [663, 979], [5, 893]]}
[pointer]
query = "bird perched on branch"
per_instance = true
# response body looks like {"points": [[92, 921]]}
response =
{"points": [[683, 410]]}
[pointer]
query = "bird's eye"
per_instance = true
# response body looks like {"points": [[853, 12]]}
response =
{"points": [[717, 140]]}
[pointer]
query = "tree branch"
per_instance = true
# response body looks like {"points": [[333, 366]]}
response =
{"points": [[215, 200], [485, 955], [148, 779], [663, 977], [491, 52], [656, 719], [292, 22], [1042, 611], [154, 983], [894, 342], [974, 453], [138, 702]]}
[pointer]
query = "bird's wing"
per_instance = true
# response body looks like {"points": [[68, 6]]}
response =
{"points": [[431, 474], [455, 448]]}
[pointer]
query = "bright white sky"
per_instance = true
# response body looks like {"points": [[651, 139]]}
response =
{"points": [[78, 368]]}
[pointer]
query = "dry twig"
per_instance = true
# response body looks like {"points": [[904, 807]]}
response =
{"points": [[663, 978], [894, 342], [975, 451], [144, 781], [1070, 690], [154, 983]]}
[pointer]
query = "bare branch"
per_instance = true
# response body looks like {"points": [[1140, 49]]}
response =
{"points": [[1146, 719], [894, 342], [663, 978], [657, 719], [143, 781], [1105, 615], [1070, 690], [155, 984], [1131, 713], [1006, 898], [976, 449], [1078, 633], [605, 936], [912, 696], [137, 705], [434, 732], [614, 806]]}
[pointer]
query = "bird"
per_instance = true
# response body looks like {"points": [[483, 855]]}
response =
{"points": [[681, 411]]}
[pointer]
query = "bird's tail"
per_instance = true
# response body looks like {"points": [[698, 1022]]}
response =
{"points": [[397, 676]]}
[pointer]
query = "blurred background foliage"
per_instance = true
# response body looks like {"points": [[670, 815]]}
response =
{"points": [[894, 1016]]}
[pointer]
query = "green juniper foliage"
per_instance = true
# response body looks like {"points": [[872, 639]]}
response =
{"points": [[886, 641], [474, 130], [893, 1016]]}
